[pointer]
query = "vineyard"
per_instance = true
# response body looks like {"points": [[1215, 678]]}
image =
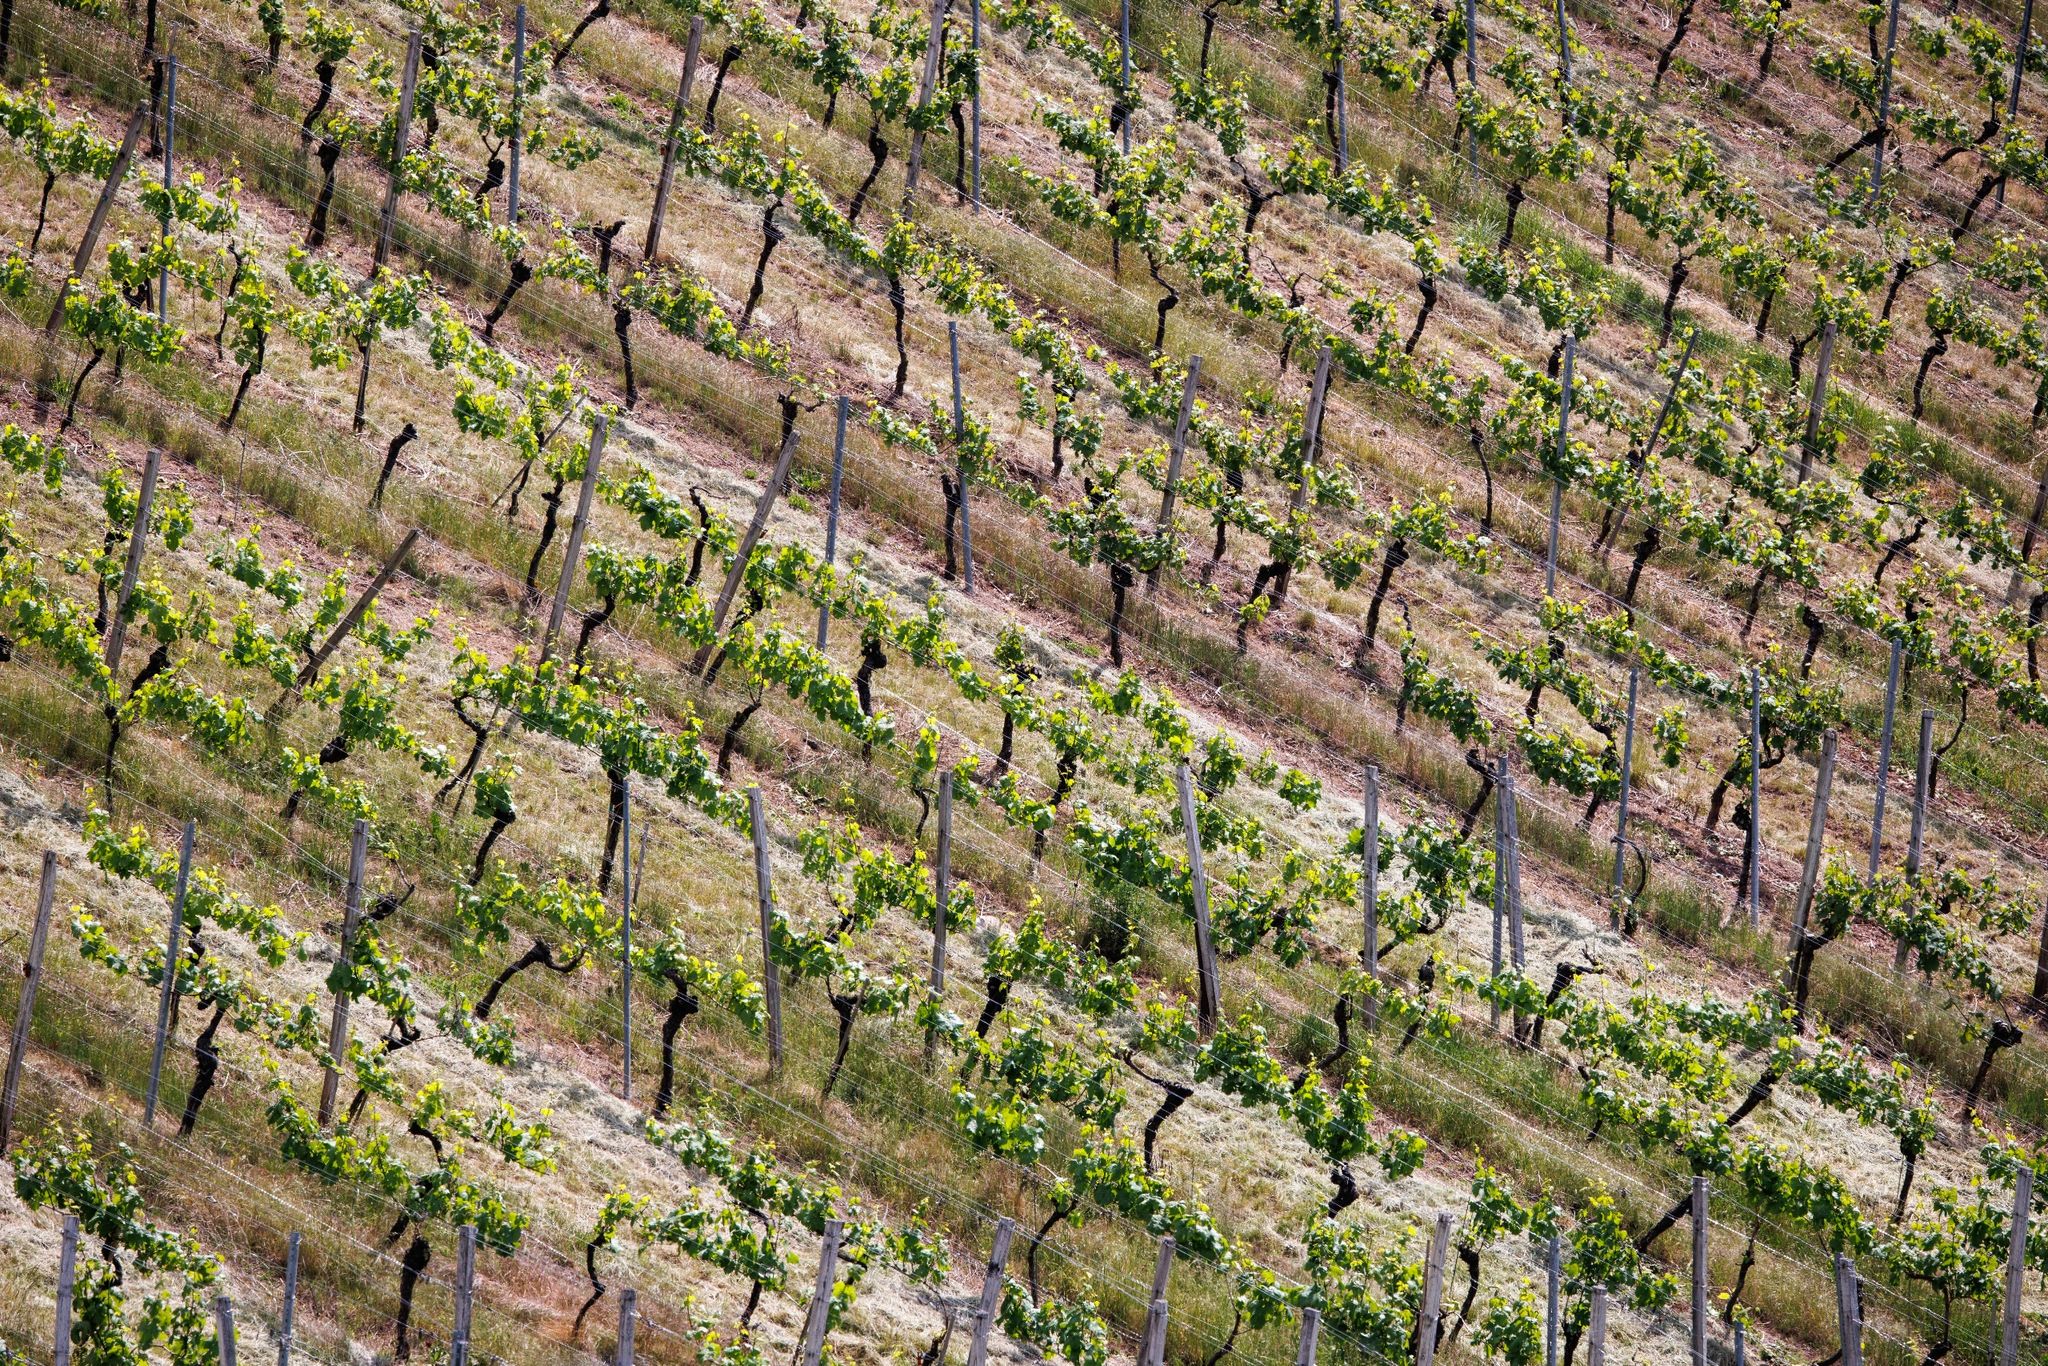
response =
{"points": [[747, 681]]}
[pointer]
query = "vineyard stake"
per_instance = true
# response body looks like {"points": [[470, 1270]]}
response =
{"points": [[991, 1292], [1311, 1329], [352, 912], [2019, 71], [1564, 49], [1311, 434], [1816, 834], [1849, 1311], [1923, 774], [934, 43], [518, 94], [98, 222], [1884, 101], [1500, 871], [1518, 951], [1884, 753], [572, 556], [354, 617], [1176, 451], [1432, 1292], [291, 1301], [1152, 1349], [67, 1273], [666, 182], [1123, 44], [1371, 951], [2016, 1265], [1343, 148], [387, 223], [626, 937], [763, 505], [25, 1006], [771, 980], [832, 511], [942, 891], [629, 1300], [224, 1330], [1754, 839], [1564, 450], [1471, 79], [960, 462], [1741, 1346], [1628, 754], [1671, 394], [1596, 1328], [1207, 993], [1817, 402], [169, 993], [821, 1294], [117, 624], [163, 273], [1552, 1273], [2038, 997], [465, 1294], [1699, 1271], [974, 104]]}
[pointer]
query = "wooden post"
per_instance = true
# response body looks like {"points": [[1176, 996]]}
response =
{"points": [[169, 992], [1754, 837], [1564, 48], [942, 890], [67, 1276], [1553, 1275], [1343, 148], [348, 623], [1208, 996], [1564, 450], [626, 937], [1311, 1329], [1152, 1347], [1596, 1328], [387, 222], [991, 1292], [821, 1294], [1699, 1271], [572, 556], [25, 1006], [1628, 755], [1498, 959], [1849, 1310], [771, 977], [117, 624], [1884, 101], [1518, 949], [1923, 777], [97, 224], [465, 1294], [1741, 1345], [1432, 1291], [224, 1330], [1817, 402], [1311, 434], [933, 46], [629, 1303], [2019, 73], [1176, 452], [960, 464], [1471, 79], [1670, 395], [1884, 740], [514, 138], [832, 510], [763, 506], [291, 1301], [163, 274], [1816, 835], [666, 182], [1370, 954], [2016, 1266], [974, 97], [352, 914], [1123, 32]]}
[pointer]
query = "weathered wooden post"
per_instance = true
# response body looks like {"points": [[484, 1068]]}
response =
{"points": [[1564, 49], [934, 44], [1923, 779], [763, 506], [131, 569], [352, 914], [1754, 836], [1123, 47], [169, 992], [1497, 961], [1208, 995], [25, 1005], [163, 273], [1849, 1310], [832, 510], [1884, 101], [354, 616], [1596, 1328], [465, 1294], [1311, 1330], [1628, 755], [224, 1330], [1699, 1271], [1471, 79], [67, 1279], [88, 244], [960, 463], [629, 1314], [974, 99], [1311, 437], [1884, 739], [1518, 949], [1432, 1289], [517, 135], [1817, 402], [1155, 1332], [1176, 452], [1553, 1276], [666, 182], [991, 1292], [771, 976], [1343, 147], [387, 222], [2019, 74], [2016, 1266], [1370, 954], [291, 1301], [1816, 836], [1741, 1345], [821, 1294], [572, 555], [626, 936], [942, 889], [1564, 450], [1152, 1347]]}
